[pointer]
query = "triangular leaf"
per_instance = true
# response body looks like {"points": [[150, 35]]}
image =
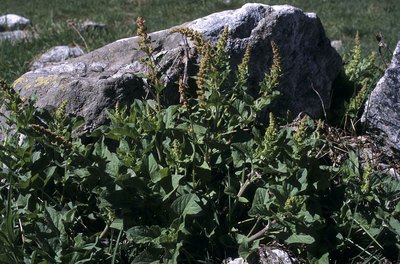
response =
{"points": [[300, 239], [186, 204]]}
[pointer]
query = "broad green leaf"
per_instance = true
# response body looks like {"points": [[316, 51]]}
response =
{"points": [[324, 259], [186, 204], [397, 209], [261, 198], [300, 239], [143, 234], [117, 224], [164, 172], [113, 164], [36, 156], [238, 158], [395, 224], [154, 170], [23, 201], [246, 149], [82, 173], [374, 232], [200, 132], [241, 239], [243, 200], [175, 253], [244, 250], [183, 127], [49, 173], [79, 121], [169, 116], [33, 182], [350, 167], [175, 179], [123, 146], [282, 167], [302, 180], [56, 219], [118, 132], [246, 247]]}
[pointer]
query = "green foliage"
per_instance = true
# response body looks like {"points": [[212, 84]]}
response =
{"points": [[149, 60], [187, 183], [362, 76]]}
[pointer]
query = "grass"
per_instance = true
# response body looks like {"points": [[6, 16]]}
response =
{"points": [[341, 19]]}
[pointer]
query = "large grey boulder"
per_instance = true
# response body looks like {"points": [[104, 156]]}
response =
{"points": [[97, 80], [382, 110]]}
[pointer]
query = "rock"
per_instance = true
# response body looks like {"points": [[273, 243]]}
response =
{"points": [[56, 54], [390, 170], [13, 28], [235, 261], [337, 44], [97, 80], [269, 254], [266, 255], [12, 22], [382, 110], [16, 35], [88, 25]]}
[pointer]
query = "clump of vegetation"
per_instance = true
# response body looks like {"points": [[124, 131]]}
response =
{"points": [[362, 75], [188, 183], [351, 89]]}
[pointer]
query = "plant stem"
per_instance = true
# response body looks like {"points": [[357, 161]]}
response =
{"points": [[260, 233]]}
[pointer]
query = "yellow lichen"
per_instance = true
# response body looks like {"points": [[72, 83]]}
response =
{"points": [[45, 80], [18, 81]]}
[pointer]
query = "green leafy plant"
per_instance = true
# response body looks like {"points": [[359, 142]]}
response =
{"points": [[362, 75]]}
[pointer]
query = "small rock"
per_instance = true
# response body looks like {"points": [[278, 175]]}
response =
{"points": [[16, 35], [389, 170], [13, 28], [13, 22], [337, 44], [269, 254], [266, 255], [234, 261], [56, 54]]}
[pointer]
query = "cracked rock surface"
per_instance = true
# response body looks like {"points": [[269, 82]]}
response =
{"points": [[382, 110]]}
